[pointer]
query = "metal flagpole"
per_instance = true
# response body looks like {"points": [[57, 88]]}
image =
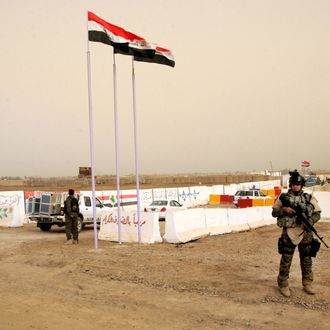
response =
{"points": [[116, 145], [91, 142], [136, 154]]}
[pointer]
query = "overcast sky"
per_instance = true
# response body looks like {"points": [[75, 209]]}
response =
{"points": [[250, 87]]}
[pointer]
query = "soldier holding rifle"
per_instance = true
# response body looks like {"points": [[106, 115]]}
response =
{"points": [[296, 212]]}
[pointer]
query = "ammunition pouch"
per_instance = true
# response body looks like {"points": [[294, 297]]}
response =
{"points": [[285, 247], [280, 245], [315, 247]]}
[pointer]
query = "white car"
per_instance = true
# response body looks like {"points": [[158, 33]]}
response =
{"points": [[249, 194], [162, 206]]}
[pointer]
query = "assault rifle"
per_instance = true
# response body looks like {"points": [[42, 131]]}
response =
{"points": [[302, 215]]}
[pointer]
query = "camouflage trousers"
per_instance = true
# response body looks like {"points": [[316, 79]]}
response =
{"points": [[71, 227], [304, 248]]}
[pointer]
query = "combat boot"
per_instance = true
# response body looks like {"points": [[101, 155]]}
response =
{"points": [[75, 241], [308, 288], [285, 291]]}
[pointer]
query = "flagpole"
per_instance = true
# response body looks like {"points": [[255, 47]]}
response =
{"points": [[136, 154], [117, 146], [91, 141]]}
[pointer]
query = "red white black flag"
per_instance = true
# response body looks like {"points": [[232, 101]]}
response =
{"points": [[127, 43], [124, 42], [305, 163], [101, 31], [161, 56]]}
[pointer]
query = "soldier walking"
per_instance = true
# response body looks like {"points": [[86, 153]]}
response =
{"points": [[71, 211], [295, 234]]}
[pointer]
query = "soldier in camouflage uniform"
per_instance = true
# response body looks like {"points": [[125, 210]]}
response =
{"points": [[71, 210], [294, 233]]}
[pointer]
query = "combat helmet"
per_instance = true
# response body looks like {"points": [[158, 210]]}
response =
{"points": [[296, 178]]}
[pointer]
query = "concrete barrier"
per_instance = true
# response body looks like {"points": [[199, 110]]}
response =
{"points": [[217, 221], [214, 199], [12, 209], [323, 198], [150, 232], [243, 203], [185, 225], [237, 219], [259, 216]]}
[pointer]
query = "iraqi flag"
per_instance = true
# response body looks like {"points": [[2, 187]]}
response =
{"points": [[101, 31], [123, 42], [127, 43], [305, 163], [161, 56]]}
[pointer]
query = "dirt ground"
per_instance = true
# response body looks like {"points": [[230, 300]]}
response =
{"points": [[222, 282], [219, 282]]}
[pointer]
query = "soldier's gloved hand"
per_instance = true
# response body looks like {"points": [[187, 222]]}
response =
{"points": [[288, 210]]}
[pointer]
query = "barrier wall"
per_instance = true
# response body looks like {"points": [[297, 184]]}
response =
{"points": [[146, 196], [226, 199], [217, 190], [180, 226], [150, 232], [185, 225], [172, 193], [188, 196], [199, 195], [243, 203], [217, 221], [323, 198], [184, 196], [258, 202], [12, 209], [220, 199], [231, 189], [214, 199], [259, 216], [269, 202], [238, 220]]}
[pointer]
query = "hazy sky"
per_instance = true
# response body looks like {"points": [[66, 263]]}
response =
{"points": [[250, 86]]}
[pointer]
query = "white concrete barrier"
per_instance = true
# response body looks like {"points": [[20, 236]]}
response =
{"points": [[230, 189], [184, 196], [268, 218], [238, 220], [12, 209], [159, 193], [217, 190], [259, 216], [146, 197], [150, 232], [323, 198], [185, 225], [254, 216], [199, 195], [172, 193], [217, 221]]}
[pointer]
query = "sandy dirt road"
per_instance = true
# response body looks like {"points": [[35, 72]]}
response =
{"points": [[222, 282]]}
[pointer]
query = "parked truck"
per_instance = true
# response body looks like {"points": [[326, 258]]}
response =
{"points": [[48, 210]]}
